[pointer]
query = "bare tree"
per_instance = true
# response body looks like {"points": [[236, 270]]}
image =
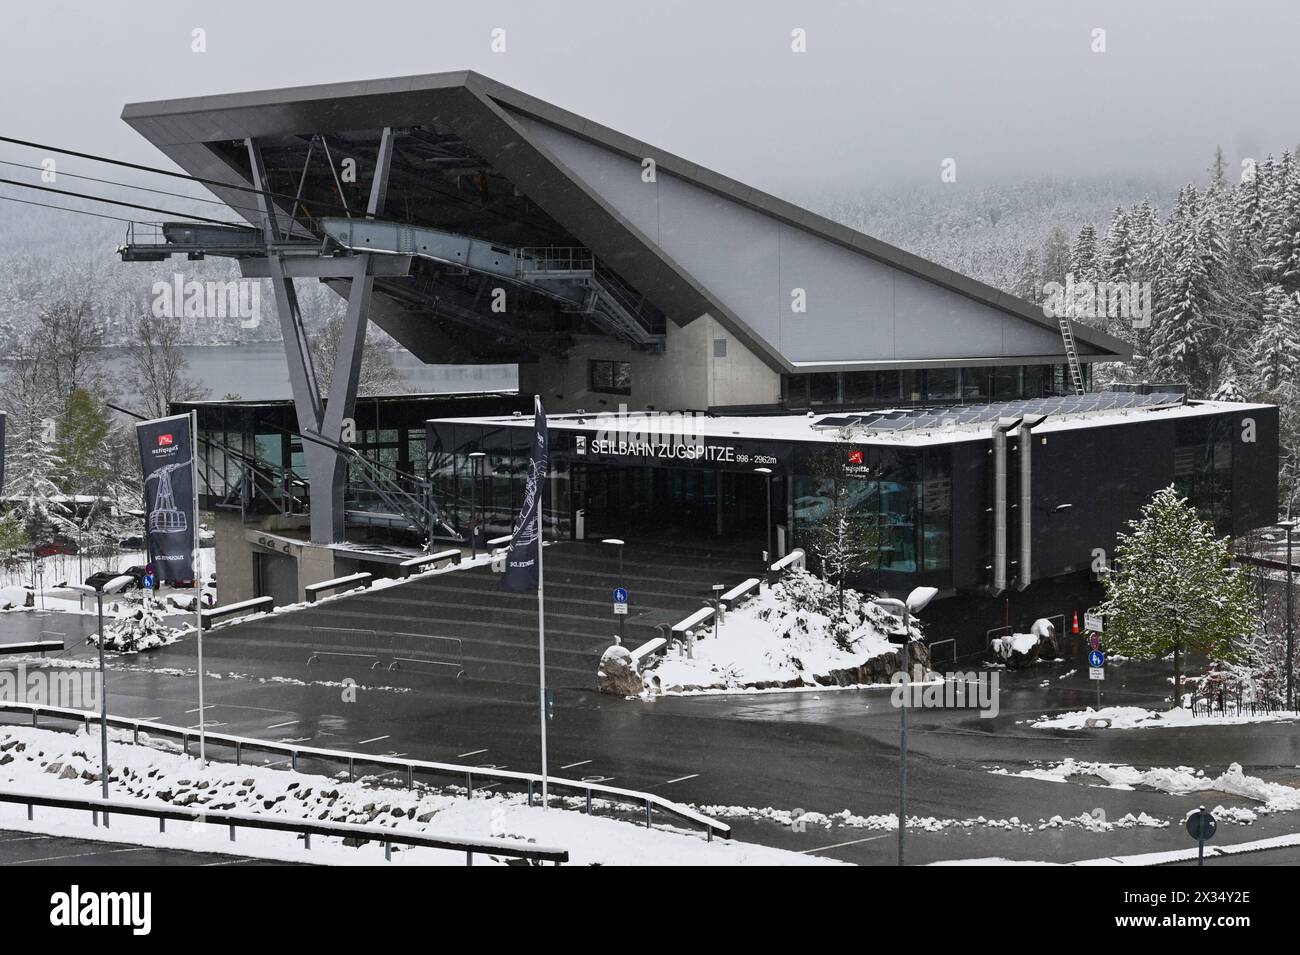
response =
{"points": [[156, 366], [66, 343], [379, 376]]}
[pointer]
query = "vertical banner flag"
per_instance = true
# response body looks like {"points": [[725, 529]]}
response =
{"points": [[167, 463], [2, 452], [522, 558]]}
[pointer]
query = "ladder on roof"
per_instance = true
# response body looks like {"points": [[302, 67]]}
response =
{"points": [[1071, 354]]}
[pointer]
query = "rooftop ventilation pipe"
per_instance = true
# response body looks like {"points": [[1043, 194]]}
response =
{"points": [[1000, 429], [1026, 569]]}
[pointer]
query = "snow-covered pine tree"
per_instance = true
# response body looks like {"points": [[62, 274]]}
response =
{"points": [[1282, 238], [1084, 262], [1175, 589], [1029, 280], [1277, 344], [33, 463], [1183, 336]]}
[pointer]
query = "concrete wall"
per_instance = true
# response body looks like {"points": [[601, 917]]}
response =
{"points": [[235, 571], [686, 375]]}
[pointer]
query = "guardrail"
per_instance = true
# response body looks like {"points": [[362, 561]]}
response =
{"points": [[304, 827], [32, 646], [315, 590], [255, 605], [647, 801]]}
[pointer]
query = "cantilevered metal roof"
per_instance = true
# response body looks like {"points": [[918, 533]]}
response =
{"points": [[683, 243]]}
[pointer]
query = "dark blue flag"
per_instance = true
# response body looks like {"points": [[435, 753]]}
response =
{"points": [[522, 559]]}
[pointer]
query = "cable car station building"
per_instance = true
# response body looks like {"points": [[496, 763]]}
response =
{"points": [[644, 295]]}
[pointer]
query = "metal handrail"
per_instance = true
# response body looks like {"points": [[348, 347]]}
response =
{"points": [[305, 827], [648, 801]]}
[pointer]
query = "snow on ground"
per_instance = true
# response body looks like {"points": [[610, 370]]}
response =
{"points": [[776, 638], [1135, 717], [1179, 780], [799, 819], [67, 764]]}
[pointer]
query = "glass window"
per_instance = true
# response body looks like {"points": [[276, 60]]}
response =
{"points": [[975, 384], [898, 511], [942, 384], [1006, 383], [610, 377], [824, 388]]}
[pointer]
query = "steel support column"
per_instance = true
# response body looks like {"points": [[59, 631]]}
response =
{"points": [[326, 469]]}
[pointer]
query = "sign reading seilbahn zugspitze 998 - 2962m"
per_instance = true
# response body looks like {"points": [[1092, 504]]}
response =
{"points": [[167, 464]]}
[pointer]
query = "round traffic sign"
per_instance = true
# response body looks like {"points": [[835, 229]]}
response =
{"points": [[1201, 826], [1096, 658], [1094, 641], [620, 595]]}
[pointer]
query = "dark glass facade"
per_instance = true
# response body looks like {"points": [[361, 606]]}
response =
{"points": [[936, 386]]}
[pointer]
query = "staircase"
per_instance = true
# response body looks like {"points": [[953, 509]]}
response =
{"points": [[461, 623]]}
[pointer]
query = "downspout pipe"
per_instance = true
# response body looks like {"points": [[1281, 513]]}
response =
{"points": [[1025, 575], [1000, 429]]}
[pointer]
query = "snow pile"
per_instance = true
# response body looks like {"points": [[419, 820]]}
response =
{"points": [[793, 634], [1135, 717], [14, 597], [1021, 643], [1179, 780], [136, 628], [66, 764]]}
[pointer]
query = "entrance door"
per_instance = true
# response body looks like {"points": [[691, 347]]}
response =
{"points": [[654, 503], [277, 578]]}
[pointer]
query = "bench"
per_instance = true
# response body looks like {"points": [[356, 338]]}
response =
{"points": [[338, 583], [32, 646], [738, 593], [795, 560], [417, 565], [648, 649], [255, 605]]}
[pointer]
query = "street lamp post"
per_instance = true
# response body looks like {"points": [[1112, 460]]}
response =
{"points": [[767, 539], [110, 587], [618, 542], [916, 602], [1289, 526], [474, 457]]}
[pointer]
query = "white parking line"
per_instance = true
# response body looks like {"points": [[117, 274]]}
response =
{"points": [[375, 740], [852, 842], [276, 726], [583, 762], [472, 753], [681, 779]]}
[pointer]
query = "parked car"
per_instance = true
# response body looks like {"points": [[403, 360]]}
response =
{"points": [[59, 545], [98, 580], [135, 542]]}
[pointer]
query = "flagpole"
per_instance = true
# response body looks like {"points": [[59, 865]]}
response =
{"points": [[198, 578], [541, 610]]}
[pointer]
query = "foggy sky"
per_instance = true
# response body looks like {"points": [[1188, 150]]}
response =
{"points": [[1009, 88]]}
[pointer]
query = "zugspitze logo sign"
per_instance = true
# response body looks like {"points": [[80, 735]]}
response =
{"points": [[164, 440]]}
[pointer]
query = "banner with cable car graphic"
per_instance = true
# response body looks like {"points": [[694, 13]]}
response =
{"points": [[167, 466]]}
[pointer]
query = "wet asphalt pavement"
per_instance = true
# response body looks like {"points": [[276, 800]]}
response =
{"points": [[824, 750]]}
